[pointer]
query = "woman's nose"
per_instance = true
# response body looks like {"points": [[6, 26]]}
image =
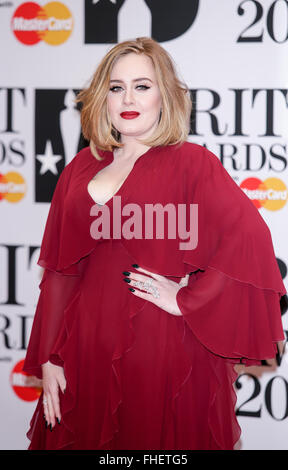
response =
{"points": [[128, 96]]}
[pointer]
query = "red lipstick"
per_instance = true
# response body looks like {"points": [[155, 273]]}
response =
{"points": [[129, 114]]}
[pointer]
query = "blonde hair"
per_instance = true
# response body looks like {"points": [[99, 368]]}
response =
{"points": [[174, 124]]}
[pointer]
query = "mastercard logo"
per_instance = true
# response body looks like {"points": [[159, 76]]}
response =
{"points": [[271, 193], [25, 386], [52, 23], [12, 186]]}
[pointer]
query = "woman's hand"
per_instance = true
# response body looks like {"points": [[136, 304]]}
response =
{"points": [[53, 379], [162, 291]]}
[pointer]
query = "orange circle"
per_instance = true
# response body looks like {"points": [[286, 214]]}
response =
{"points": [[60, 23], [12, 186], [276, 194]]}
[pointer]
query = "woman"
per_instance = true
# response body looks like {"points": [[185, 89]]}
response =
{"points": [[140, 323]]}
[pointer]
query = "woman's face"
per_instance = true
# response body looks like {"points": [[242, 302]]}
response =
{"points": [[134, 99]]}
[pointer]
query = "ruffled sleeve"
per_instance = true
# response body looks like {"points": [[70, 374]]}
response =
{"points": [[55, 237], [58, 286], [56, 291], [232, 301], [231, 318]]}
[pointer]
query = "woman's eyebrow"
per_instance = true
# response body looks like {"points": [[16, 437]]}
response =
{"points": [[135, 80]]}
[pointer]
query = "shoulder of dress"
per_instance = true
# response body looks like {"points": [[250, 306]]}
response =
{"points": [[198, 153], [190, 150], [84, 155], [197, 161], [190, 153], [191, 147]]}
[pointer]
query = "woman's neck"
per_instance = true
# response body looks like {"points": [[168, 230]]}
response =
{"points": [[132, 149]]}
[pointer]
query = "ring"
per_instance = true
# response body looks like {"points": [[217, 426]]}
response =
{"points": [[147, 285], [44, 401], [144, 285], [155, 292]]}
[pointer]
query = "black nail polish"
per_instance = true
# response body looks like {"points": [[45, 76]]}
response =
{"points": [[132, 290], [50, 427], [135, 265], [126, 273], [58, 420], [46, 424], [126, 280]]}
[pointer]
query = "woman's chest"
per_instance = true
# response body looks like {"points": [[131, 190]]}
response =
{"points": [[149, 181], [108, 181]]}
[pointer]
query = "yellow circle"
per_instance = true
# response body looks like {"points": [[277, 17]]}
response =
{"points": [[59, 23], [16, 187], [276, 195]]}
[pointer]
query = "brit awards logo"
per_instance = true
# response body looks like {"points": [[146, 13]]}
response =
{"points": [[112, 21], [57, 138]]}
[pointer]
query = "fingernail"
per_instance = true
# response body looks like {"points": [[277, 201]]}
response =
{"points": [[126, 280], [132, 290], [50, 427], [58, 420], [135, 265], [46, 424], [126, 273]]}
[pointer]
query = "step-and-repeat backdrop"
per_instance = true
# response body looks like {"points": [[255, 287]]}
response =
{"points": [[233, 56]]}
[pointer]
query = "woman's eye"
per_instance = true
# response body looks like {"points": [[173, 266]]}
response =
{"points": [[143, 87], [115, 88]]}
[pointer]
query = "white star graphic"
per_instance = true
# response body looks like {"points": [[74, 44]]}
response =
{"points": [[49, 160]]}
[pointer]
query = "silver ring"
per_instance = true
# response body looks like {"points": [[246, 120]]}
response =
{"points": [[147, 285], [44, 401], [155, 292], [139, 284], [144, 285]]}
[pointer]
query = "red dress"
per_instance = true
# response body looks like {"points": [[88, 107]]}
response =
{"points": [[137, 376]]}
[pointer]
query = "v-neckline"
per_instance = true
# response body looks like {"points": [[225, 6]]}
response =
{"points": [[109, 157]]}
